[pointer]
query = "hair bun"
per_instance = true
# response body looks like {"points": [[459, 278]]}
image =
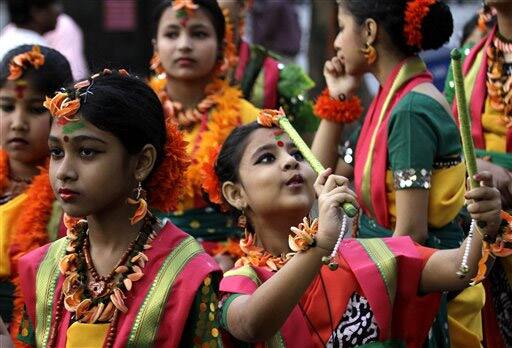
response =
{"points": [[437, 26]]}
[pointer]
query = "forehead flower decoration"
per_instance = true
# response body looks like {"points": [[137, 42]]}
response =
{"points": [[21, 61], [184, 9]]}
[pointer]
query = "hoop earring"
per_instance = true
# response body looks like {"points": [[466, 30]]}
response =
{"points": [[140, 200], [370, 53]]}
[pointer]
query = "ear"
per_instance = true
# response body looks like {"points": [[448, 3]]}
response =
{"points": [[145, 162], [234, 195], [369, 31]]}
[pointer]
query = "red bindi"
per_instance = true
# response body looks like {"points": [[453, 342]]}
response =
{"points": [[66, 138], [280, 143]]}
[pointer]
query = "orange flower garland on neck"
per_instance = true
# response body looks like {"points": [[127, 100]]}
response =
{"points": [[29, 233], [301, 239]]}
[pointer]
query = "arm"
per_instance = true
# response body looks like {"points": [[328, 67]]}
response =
{"points": [[257, 317], [440, 271], [328, 135], [412, 214]]}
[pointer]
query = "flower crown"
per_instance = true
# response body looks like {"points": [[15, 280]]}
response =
{"points": [[415, 13], [166, 184], [21, 61]]}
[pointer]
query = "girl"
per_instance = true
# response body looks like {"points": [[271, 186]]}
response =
{"points": [[282, 295], [28, 216], [405, 160], [263, 77], [192, 52], [488, 78], [120, 278]]}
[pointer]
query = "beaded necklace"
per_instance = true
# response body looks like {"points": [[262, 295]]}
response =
{"points": [[499, 77], [94, 298]]}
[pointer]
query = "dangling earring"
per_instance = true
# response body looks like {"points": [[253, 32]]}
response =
{"points": [[370, 53], [155, 64], [140, 200], [242, 221]]}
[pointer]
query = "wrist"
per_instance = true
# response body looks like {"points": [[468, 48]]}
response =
{"points": [[339, 109]]}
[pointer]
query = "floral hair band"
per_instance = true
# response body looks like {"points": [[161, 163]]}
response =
{"points": [[21, 61], [415, 13], [66, 103]]}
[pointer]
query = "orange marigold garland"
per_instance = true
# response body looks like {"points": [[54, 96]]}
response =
{"points": [[4, 170], [415, 12], [29, 233], [336, 110], [301, 239], [19, 62]]}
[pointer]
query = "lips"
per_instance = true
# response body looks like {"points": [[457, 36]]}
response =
{"points": [[296, 180], [17, 141], [185, 61], [67, 195]]}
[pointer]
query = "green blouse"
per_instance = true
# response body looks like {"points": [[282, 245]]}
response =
{"points": [[422, 137]]}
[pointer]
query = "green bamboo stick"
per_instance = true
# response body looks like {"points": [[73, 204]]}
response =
{"points": [[465, 122], [286, 126]]}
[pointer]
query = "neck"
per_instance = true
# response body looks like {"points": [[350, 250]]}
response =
{"points": [[272, 231], [505, 21], [111, 231], [23, 170], [385, 64], [187, 92]]}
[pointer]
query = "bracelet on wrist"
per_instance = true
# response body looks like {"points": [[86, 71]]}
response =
{"points": [[342, 110]]}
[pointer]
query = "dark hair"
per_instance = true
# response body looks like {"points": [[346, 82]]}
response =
{"points": [[53, 74], [212, 9], [128, 108], [19, 10], [228, 160], [436, 28]]}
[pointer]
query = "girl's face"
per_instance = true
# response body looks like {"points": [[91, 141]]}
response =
{"points": [[90, 169], [274, 176], [348, 43], [188, 47], [24, 123]]}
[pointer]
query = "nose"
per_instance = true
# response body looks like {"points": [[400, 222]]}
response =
{"points": [[184, 42], [290, 163], [19, 121], [65, 171], [337, 40]]}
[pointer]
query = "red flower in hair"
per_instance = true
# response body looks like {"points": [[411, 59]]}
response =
{"points": [[211, 183], [415, 12]]}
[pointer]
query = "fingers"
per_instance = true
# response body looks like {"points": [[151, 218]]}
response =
{"points": [[334, 67], [334, 181], [485, 178], [320, 180], [484, 206], [338, 196], [483, 193]]}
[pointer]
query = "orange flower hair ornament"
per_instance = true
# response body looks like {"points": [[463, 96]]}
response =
{"points": [[415, 12], [21, 61], [184, 8], [211, 183]]}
